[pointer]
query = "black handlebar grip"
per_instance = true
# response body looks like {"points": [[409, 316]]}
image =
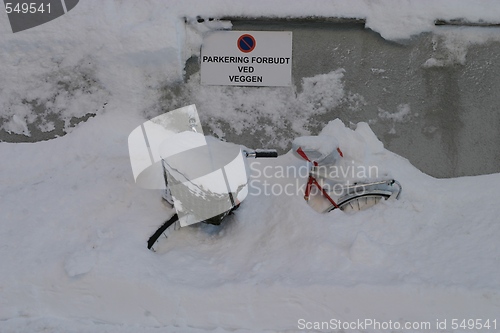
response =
{"points": [[266, 153]]}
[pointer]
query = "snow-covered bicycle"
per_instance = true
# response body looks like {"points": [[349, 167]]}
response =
{"points": [[324, 192], [206, 179]]}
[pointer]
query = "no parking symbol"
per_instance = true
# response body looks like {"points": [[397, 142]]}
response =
{"points": [[246, 43]]}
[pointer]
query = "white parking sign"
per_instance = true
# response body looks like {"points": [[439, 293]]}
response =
{"points": [[247, 58]]}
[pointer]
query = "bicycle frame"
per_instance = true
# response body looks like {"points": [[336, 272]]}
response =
{"points": [[389, 188], [373, 190]]}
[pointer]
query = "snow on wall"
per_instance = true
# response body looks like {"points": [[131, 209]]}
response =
{"points": [[144, 46]]}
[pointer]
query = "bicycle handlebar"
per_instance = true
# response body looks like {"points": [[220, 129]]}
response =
{"points": [[261, 153]]}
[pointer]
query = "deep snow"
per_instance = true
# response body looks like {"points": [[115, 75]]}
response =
{"points": [[74, 225]]}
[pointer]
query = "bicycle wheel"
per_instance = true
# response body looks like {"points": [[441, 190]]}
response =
{"points": [[362, 202], [161, 230]]}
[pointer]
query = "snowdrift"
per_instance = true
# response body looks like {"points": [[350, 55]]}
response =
{"points": [[75, 226]]}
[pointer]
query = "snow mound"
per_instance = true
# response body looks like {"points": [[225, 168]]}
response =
{"points": [[87, 223]]}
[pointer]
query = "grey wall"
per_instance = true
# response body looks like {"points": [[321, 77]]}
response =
{"points": [[453, 128]]}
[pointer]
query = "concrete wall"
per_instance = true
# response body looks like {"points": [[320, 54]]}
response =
{"points": [[444, 118], [452, 125]]}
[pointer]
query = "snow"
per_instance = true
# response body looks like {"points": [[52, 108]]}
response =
{"points": [[317, 148], [74, 223], [455, 43], [402, 114], [17, 125]]}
